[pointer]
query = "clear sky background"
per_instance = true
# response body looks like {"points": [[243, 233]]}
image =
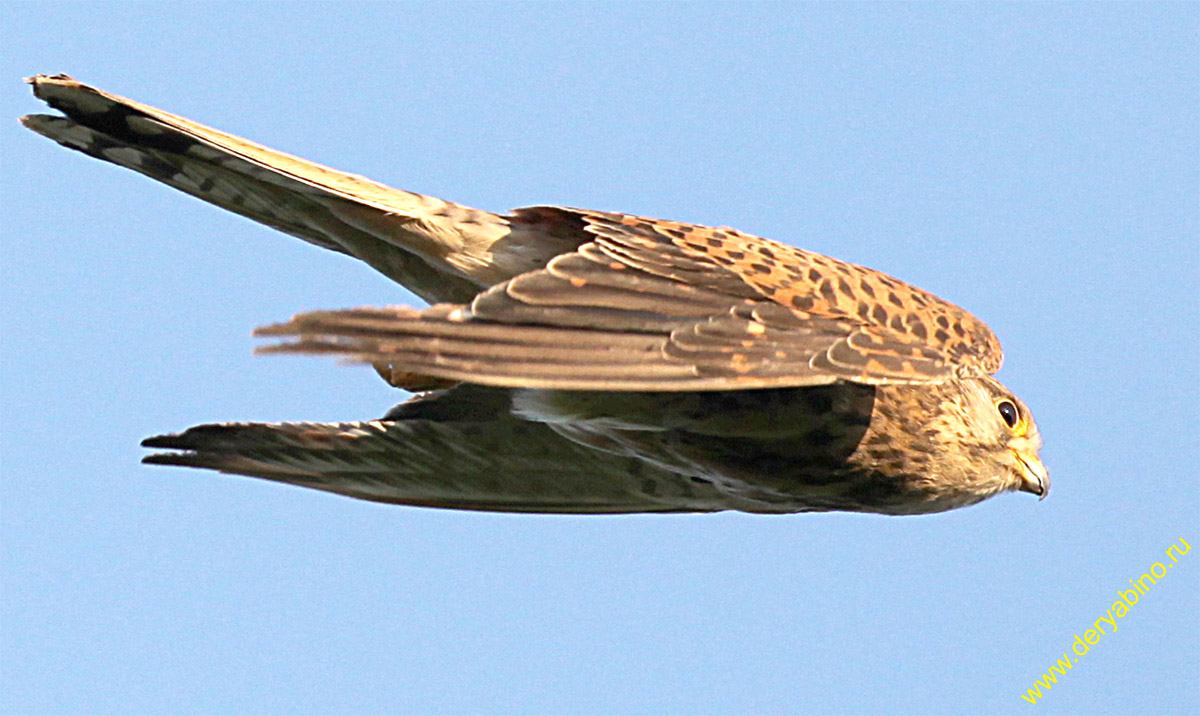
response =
{"points": [[1037, 164]]}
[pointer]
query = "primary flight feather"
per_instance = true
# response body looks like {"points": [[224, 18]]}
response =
{"points": [[585, 361]]}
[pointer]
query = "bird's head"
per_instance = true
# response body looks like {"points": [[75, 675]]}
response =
{"points": [[992, 438]]}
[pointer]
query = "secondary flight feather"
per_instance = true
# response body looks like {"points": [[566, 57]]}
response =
{"points": [[586, 361]]}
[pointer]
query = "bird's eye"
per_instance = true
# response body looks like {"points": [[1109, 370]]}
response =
{"points": [[1008, 411]]}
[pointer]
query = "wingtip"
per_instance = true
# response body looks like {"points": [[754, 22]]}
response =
{"points": [[39, 81], [294, 326], [181, 459], [283, 328], [183, 451], [56, 77], [272, 349], [31, 121], [161, 458], [160, 441]]}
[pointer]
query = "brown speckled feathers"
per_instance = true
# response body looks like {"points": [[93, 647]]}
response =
{"points": [[662, 305], [589, 362]]}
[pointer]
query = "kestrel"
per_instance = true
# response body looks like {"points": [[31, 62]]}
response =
{"points": [[591, 362]]}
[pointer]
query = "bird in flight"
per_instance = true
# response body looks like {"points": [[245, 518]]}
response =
{"points": [[577, 361]]}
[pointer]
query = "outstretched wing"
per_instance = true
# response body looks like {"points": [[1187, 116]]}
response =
{"points": [[661, 305], [458, 450], [654, 305], [440, 250]]}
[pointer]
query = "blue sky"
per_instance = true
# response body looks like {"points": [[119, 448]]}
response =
{"points": [[1037, 164]]}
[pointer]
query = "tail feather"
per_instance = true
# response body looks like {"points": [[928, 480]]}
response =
{"points": [[504, 465]]}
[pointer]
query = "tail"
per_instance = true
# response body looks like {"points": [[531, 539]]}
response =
{"points": [[454, 450]]}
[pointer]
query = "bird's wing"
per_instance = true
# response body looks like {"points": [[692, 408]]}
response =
{"points": [[440, 250], [654, 305], [691, 306], [453, 451]]}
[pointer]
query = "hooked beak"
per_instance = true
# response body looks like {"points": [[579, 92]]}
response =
{"points": [[1035, 478]]}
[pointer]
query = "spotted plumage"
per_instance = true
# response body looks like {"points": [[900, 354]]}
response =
{"points": [[585, 361]]}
